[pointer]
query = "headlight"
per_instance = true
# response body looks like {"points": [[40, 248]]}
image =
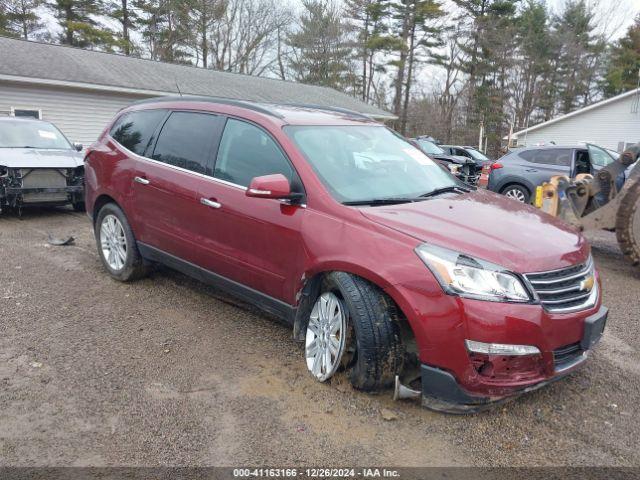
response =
{"points": [[462, 275], [454, 169]]}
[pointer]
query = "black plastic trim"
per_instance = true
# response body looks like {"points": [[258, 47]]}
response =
{"points": [[593, 328], [439, 384], [276, 307], [203, 99]]}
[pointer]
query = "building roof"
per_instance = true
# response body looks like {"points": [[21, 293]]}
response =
{"points": [[579, 111], [45, 63]]}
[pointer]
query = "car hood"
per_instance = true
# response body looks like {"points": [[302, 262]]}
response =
{"points": [[452, 158], [39, 158], [487, 226]]}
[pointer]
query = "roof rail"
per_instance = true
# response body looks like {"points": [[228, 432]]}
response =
{"points": [[353, 113], [221, 100]]}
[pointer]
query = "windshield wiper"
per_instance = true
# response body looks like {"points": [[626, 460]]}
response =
{"points": [[382, 201], [452, 188]]}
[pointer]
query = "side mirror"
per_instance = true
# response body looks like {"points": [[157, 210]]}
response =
{"points": [[78, 146], [272, 186]]}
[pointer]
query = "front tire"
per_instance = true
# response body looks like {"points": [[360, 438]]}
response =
{"points": [[372, 350], [117, 246]]}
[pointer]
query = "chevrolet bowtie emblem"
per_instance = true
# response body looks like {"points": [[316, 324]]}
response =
{"points": [[587, 283]]}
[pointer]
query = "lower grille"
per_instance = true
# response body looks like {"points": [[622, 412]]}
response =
{"points": [[43, 178], [566, 290], [567, 356]]}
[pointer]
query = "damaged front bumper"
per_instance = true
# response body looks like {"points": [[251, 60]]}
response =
{"points": [[442, 392], [43, 186]]}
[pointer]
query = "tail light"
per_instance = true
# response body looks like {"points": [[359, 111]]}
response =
{"points": [[495, 165]]}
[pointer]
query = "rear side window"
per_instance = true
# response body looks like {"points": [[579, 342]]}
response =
{"points": [[560, 157], [246, 151], [187, 140], [134, 129]]}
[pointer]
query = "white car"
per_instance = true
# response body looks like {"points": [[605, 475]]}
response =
{"points": [[38, 166]]}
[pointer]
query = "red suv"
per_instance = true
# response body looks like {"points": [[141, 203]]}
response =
{"points": [[384, 264]]}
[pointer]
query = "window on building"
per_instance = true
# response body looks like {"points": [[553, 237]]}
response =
{"points": [[25, 112], [134, 130], [187, 139]]}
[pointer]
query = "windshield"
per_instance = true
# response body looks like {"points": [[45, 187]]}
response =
{"points": [[477, 155], [359, 163], [30, 134], [430, 147]]}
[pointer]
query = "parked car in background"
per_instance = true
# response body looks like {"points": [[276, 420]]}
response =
{"points": [[463, 167], [468, 152], [518, 173], [38, 166], [382, 263]]}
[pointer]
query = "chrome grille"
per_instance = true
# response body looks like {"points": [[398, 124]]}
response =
{"points": [[566, 290], [43, 178]]}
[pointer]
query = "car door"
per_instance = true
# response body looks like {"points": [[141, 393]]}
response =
{"points": [[598, 157], [130, 137], [253, 241], [168, 184], [544, 163]]}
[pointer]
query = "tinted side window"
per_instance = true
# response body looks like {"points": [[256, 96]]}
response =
{"points": [[134, 129], [246, 152], [186, 140], [560, 157]]}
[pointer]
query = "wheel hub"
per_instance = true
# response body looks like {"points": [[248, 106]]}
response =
{"points": [[325, 339], [113, 242]]}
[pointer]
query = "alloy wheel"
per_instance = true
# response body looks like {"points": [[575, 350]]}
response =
{"points": [[113, 242], [516, 194], [325, 339]]}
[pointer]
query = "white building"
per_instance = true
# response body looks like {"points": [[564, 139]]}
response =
{"points": [[613, 123], [80, 90]]}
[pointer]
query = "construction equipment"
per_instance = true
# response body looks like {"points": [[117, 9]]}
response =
{"points": [[602, 201]]}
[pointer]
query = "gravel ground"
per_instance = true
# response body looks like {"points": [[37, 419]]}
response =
{"points": [[167, 371]]}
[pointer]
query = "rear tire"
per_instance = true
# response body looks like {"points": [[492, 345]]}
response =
{"points": [[117, 246], [517, 192], [373, 354], [628, 224]]}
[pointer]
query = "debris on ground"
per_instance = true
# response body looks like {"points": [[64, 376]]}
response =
{"points": [[59, 242], [388, 415]]}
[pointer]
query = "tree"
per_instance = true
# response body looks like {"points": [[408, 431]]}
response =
{"points": [[77, 18], [533, 61], [165, 29], [123, 12], [369, 20], [417, 36], [245, 39], [579, 55], [623, 66], [487, 44], [452, 86], [203, 14], [321, 53], [21, 17]]}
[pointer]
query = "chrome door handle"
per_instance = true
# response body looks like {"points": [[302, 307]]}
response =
{"points": [[141, 180], [210, 203]]}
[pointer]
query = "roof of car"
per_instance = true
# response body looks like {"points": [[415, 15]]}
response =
{"points": [[286, 113], [546, 147]]}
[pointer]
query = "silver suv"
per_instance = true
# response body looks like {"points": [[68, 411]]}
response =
{"points": [[518, 173]]}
